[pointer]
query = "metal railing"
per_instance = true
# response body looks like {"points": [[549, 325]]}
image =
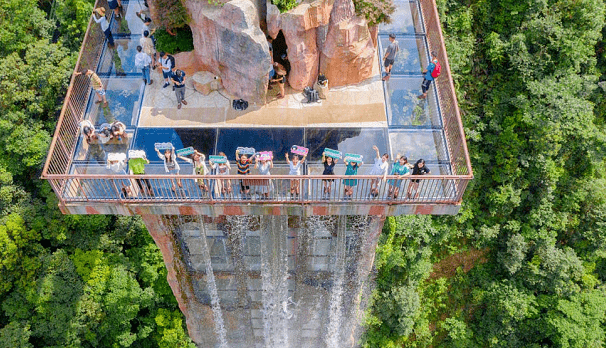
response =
{"points": [[434, 189], [447, 97], [72, 187], [64, 141]]}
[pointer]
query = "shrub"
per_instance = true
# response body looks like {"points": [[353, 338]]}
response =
{"points": [[285, 5], [181, 42], [375, 11], [171, 14]]}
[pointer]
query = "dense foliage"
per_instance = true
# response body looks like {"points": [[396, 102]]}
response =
{"points": [[182, 41], [285, 5], [524, 263], [65, 281], [171, 14]]}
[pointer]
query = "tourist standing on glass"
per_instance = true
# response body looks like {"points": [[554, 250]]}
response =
{"points": [[352, 169], [264, 166], [243, 163], [199, 168], [115, 5], [136, 166], [390, 55], [295, 169], [104, 25], [419, 169], [222, 186], [170, 165], [329, 169], [380, 167], [148, 46], [143, 62], [97, 85], [401, 169], [178, 78], [429, 75]]}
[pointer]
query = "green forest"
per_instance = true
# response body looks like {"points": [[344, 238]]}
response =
{"points": [[522, 265]]}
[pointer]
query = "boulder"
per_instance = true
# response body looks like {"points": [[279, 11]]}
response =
{"points": [[187, 62], [300, 28], [206, 82], [348, 53], [324, 36], [228, 42]]}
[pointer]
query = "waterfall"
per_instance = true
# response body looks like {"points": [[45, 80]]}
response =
{"points": [[335, 312], [212, 289], [278, 281], [274, 276]]}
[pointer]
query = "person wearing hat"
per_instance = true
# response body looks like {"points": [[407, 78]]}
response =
{"points": [[390, 55], [104, 25]]}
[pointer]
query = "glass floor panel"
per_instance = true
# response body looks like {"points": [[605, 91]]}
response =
{"points": [[415, 144], [130, 23], [403, 106], [124, 98], [145, 138], [412, 57], [120, 60], [278, 140], [405, 20], [346, 140]]}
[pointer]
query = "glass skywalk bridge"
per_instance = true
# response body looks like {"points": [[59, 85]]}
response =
{"points": [[430, 129]]}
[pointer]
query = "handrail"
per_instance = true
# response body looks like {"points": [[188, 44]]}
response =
{"points": [[70, 90], [289, 189], [69, 187], [445, 84]]}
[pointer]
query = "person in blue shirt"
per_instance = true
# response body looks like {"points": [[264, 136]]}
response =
{"points": [[427, 78]]}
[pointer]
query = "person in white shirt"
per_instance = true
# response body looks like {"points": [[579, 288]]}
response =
{"points": [[143, 62], [295, 169], [381, 168], [167, 67], [104, 25]]}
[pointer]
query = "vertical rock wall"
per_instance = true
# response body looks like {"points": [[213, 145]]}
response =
{"points": [[348, 52], [324, 36], [321, 38], [300, 27], [229, 43]]}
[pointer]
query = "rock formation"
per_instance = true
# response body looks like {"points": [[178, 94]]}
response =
{"points": [[324, 36], [300, 27], [320, 37], [228, 42], [348, 52]]}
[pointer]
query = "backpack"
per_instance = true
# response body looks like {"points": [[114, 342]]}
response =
{"points": [[311, 94], [172, 61], [240, 104], [437, 70]]}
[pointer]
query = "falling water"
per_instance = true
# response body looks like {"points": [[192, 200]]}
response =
{"points": [[274, 276], [335, 315], [274, 285], [212, 289]]}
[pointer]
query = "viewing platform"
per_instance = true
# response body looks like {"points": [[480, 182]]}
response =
{"points": [[352, 119]]}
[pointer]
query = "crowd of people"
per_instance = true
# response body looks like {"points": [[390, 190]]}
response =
{"points": [[146, 58], [118, 163]]}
